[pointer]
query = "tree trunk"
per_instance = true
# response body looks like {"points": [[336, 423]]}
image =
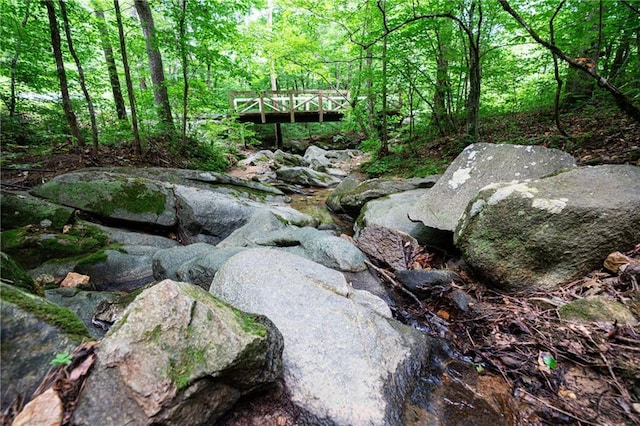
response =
{"points": [[160, 94], [621, 100], [14, 63], [127, 75], [183, 60], [111, 64], [92, 112], [473, 100], [62, 75], [556, 73]]}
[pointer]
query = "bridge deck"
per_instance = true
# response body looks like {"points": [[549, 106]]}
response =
{"points": [[289, 106]]}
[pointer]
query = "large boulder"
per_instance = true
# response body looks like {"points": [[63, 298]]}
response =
{"points": [[19, 209], [265, 230], [211, 216], [34, 331], [479, 165], [113, 196], [391, 212], [306, 176], [178, 356], [353, 200], [316, 157], [125, 269], [346, 360], [549, 231], [195, 263]]}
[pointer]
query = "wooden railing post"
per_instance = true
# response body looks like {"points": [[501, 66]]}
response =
{"points": [[263, 118], [320, 109]]}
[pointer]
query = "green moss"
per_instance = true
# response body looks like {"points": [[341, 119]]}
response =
{"points": [[104, 198], [180, 369], [49, 312], [12, 272], [249, 323], [18, 211], [596, 309], [93, 258]]}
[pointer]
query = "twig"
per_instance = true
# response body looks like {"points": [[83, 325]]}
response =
{"points": [[13, 185], [566, 413], [440, 323]]}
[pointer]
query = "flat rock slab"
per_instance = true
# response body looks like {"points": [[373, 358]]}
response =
{"points": [[346, 360], [479, 165]]}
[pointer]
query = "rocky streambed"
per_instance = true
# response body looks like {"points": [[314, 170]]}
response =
{"points": [[241, 309]]}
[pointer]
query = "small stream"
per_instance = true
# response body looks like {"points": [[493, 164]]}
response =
{"points": [[452, 391]]}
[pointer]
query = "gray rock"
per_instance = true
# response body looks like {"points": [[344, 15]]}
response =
{"points": [[352, 201], [479, 165], [345, 186], [317, 158], [178, 356], [547, 232], [112, 195], [165, 263], [126, 269], [201, 270], [123, 237], [346, 360], [209, 216], [306, 176], [260, 157], [19, 209], [422, 281], [392, 211], [320, 246], [261, 223], [284, 159], [33, 332], [82, 303]]}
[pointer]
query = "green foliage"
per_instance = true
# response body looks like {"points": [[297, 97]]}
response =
{"points": [[63, 358]]}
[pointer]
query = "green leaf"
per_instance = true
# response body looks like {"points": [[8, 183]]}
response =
{"points": [[549, 361], [63, 358]]}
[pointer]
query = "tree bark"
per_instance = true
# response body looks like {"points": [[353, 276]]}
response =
{"points": [[14, 63], [621, 100], [183, 60], [116, 89], [556, 73], [160, 94], [87, 97], [127, 75], [62, 75]]}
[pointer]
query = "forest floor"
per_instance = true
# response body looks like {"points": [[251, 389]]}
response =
{"points": [[597, 378]]}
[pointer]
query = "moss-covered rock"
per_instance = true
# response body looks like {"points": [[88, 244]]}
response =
{"points": [[597, 309], [52, 314], [111, 195], [178, 355], [21, 209], [11, 272], [34, 331], [31, 245]]}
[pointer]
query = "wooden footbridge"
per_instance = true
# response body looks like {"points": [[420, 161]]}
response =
{"points": [[289, 106]]}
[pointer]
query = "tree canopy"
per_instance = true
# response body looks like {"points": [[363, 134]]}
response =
{"points": [[452, 62]]}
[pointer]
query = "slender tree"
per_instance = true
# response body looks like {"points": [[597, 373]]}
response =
{"points": [[83, 85], [110, 61], [184, 62], [160, 93], [14, 63], [623, 102], [127, 74], [62, 75]]}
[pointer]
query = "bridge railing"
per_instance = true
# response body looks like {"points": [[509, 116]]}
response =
{"points": [[289, 101]]}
